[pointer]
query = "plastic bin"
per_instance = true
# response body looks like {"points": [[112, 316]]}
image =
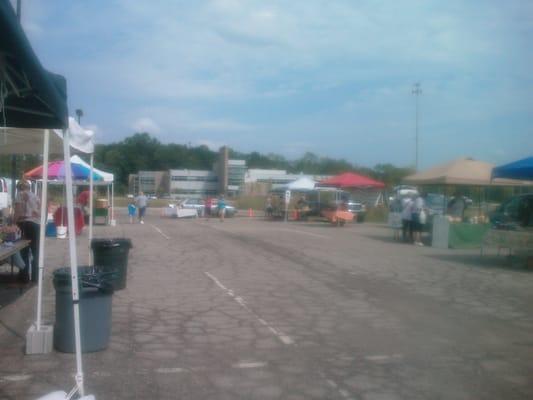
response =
{"points": [[111, 255], [95, 293]]}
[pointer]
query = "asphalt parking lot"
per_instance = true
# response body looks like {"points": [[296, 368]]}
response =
{"points": [[254, 309]]}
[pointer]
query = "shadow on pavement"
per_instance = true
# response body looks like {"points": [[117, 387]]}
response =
{"points": [[11, 289], [389, 239], [511, 263]]}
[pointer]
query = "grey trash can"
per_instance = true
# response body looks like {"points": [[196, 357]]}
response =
{"points": [[112, 255], [95, 292]]}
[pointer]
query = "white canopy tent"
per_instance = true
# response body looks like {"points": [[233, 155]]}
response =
{"points": [[301, 184]]}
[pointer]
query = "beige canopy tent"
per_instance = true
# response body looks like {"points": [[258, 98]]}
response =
{"points": [[463, 171]]}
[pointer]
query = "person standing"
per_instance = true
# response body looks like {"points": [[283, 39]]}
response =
{"points": [[456, 207], [407, 211], [418, 219], [268, 207], [395, 217], [27, 217], [221, 206], [132, 210], [83, 202], [207, 207], [142, 202]]}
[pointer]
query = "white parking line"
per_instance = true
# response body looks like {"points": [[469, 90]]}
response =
{"points": [[160, 231], [383, 357], [174, 370], [15, 378], [304, 233], [250, 364], [285, 339]]}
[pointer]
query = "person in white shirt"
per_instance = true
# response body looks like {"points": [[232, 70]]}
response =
{"points": [[27, 217], [418, 219], [141, 201]]}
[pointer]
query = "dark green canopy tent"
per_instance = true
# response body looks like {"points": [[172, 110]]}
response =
{"points": [[31, 96]]}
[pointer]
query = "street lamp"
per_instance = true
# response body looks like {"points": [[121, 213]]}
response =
{"points": [[417, 91], [79, 114]]}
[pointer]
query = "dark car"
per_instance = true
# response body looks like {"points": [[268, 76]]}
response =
{"points": [[513, 213]]}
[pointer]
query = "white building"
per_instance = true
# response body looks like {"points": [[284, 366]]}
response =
{"points": [[192, 183]]}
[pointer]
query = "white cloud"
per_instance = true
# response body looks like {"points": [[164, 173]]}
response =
{"points": [[212, 145], [235, 72], [146, 124]]}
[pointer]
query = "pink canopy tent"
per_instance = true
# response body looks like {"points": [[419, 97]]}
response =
{"points": [[349, 180]]}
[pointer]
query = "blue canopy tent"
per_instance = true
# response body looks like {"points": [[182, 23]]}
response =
{"points": [[521, 169]]}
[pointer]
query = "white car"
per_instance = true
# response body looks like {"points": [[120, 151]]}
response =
{"points": [[194, 204]]}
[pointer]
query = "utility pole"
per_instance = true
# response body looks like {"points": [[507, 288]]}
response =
{"points": [[417, 91]]}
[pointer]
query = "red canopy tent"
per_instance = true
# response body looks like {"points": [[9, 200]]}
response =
{"points": [[352, 180]]}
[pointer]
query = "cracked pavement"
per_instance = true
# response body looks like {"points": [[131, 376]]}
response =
{"points": [[253, 309]]}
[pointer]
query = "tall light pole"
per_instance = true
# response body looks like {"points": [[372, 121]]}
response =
{"points": [[417, 91], [79, 114]]}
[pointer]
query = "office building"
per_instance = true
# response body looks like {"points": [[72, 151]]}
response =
{"points": [[186, 183]]}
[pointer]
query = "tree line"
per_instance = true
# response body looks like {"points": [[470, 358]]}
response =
{"points": [[142, 151]]}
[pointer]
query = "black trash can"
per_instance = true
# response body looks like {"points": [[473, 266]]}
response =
{"points": [[95, 294], [112, 255]]}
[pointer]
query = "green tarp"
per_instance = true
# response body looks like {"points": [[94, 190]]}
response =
{"points": [[464, 236]]}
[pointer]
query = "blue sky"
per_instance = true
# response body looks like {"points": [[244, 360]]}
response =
{"points": [[332, 77]]}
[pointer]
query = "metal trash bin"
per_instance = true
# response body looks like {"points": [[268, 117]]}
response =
{"points": [[95, 294], [112, 255]]}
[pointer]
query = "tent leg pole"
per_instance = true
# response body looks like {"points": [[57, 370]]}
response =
{"points": [[73, 261], [113, 202], [108, 202], [42, 228], [91, 195]]}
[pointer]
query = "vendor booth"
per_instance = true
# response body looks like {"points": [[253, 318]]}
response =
{"points": [[297, 191], [454, 232], [520, 239], [104, 208], [81, 175], [366, 190], [34, 98]]}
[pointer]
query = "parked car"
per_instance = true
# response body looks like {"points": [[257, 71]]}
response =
{"points": [[516, 211], [195, 204], [402, 191]]}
